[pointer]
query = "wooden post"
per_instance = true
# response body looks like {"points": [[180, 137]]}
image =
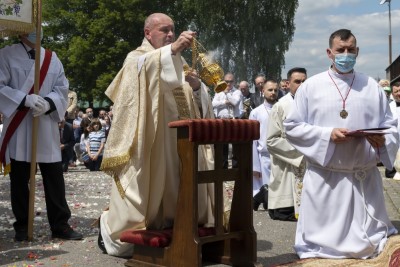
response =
{"points": [[35, 124]]}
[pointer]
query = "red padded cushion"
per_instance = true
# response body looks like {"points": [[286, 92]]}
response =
{"points": [[219, 130], [157, 238]]}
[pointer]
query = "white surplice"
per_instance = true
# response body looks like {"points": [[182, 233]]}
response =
{"points": [[284, 187], [342, 212], [16, 78], [396, 113], [261, 157]]}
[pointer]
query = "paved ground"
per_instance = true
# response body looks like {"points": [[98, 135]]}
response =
{"points": [[87, 195]]}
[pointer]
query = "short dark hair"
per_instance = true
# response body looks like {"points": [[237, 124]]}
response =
{"points": [[343, 34], [397, 83], [296, 69], [271, 80]]}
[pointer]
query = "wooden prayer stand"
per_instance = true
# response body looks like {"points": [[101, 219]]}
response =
{"points": [[235, 245]]}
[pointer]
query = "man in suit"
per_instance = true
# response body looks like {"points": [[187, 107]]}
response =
{"points": [[257, 98], [67, 142]]}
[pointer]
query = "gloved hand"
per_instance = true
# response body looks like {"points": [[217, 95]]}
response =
{"points": [[30, 100], [37, 103], [42, 106]]}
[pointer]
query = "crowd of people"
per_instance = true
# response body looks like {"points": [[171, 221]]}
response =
{"points": [[83, 136], [301, 163]]}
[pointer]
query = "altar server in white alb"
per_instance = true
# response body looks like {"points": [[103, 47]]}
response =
{"points": [[261, 156], [19, 106], [287, 164], [342, 211], [395, 108]]}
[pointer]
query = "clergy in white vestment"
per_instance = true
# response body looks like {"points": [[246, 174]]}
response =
{"points": [[395, 108], [287, 164], [261, 157], [150, 91], [342, 212]]}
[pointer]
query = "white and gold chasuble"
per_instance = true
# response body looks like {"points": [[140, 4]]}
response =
{"points": [[141, 150]]}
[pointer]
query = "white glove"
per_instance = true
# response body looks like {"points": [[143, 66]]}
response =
{"points": [[41, 107], [30, 100], [37, 103]]}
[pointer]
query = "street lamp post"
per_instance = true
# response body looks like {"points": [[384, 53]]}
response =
{"points": [[390, 30]]}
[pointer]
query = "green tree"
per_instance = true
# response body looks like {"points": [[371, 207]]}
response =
{"points": [[249, 37], [93, 37]]}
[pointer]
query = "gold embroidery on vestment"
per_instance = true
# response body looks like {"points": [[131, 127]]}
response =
{"points": [[181, 103], [119, 186]]}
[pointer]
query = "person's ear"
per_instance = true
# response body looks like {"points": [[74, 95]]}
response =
{"points": [[329, 53], [147, 34]]}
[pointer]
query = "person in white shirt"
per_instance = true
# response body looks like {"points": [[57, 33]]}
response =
{"points": [[342, 212], [226, 105], [261, 156]]}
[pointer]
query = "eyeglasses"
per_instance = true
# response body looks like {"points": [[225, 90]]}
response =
{"points": [[229, 81]]}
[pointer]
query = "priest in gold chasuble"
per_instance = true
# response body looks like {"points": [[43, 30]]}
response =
{"points": [[150, 91]]}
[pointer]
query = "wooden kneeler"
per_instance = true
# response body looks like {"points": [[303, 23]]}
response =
{"points": [[187, 246]]}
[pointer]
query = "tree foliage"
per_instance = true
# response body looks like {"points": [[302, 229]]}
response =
{"points": [[92, 37], [250, 37]]}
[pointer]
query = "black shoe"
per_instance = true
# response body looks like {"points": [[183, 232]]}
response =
{"points": [[225, 165], [390, 173], [265, 201], [100, 243], [260, 197], [67, 234], [21, 236], [256, 204], [283, 214]]}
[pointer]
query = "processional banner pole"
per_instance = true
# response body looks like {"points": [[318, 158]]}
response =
{"points": [[35, 122]]}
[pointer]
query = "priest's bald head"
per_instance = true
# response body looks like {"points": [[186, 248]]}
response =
{"points": [[159, 30]]}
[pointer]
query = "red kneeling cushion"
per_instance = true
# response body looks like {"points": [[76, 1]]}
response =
{"points": [[157, 238]]}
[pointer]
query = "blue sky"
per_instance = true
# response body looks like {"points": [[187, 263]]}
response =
{"points": [[315, 20]]}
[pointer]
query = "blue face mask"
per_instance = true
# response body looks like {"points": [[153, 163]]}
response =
{"points": [[345, 62], [32, 37]]}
